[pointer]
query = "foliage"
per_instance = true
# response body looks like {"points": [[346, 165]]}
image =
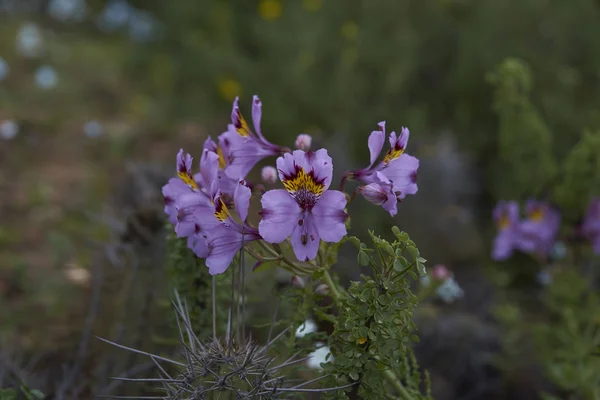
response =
{"points": [[580, 176], [565, 335], [371, 343], [22, 393], [525, 162]]}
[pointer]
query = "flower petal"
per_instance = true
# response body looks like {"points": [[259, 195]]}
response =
{"points": [[376, 140], [209, 168], [381, 195], [241, 199], [244, 153], [305, 238], [402, 172], [257, 116], [197, 243], [330, 217], [280, 215], [503, 245], [223, 244]]}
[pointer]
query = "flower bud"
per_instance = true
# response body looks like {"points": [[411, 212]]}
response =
{"points": [[303, 142], [269, 174], [440, 272], [297, 282], [322, 289]]}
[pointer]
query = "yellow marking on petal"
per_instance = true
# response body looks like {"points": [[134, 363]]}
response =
{"points": [[222, 163], [241, 126], [188, 179], [537, 215], [221, 211], [361, 340], [504, 222], [392, 154], [302, 180]]}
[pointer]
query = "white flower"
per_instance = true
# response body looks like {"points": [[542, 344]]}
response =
{"points": [[449, 290], [544, 278], [141, 26], [319, 356], [116, 14], [30, 42], [64, 10], [307, 327], [8, 129], [92, 129], [46, 77]]}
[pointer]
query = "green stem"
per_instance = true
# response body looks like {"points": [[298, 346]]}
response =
{"points": [[295, 267], [393, 379], [335, 293]]}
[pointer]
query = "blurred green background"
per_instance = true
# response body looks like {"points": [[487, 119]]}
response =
{"points": [[96, 98]]}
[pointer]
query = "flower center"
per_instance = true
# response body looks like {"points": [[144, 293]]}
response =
{"points": [[392, 154], [221, 211], [222, 163], [305, 188], [504, 222], [188, 179], [537, 215]]}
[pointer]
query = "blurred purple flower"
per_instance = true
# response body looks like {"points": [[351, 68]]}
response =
{"points": [[395, 176], [591, 225], [306, 211], [538, 231], [506, 217], [246, 149]]}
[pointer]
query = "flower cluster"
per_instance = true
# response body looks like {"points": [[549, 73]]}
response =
{"points": [[536, 233], [210, 208]]}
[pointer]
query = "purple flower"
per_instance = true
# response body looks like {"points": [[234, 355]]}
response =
{"points": [[591, 224], [185, 194], [381, 195], [306, 211], [223, 234], [506, 217], [395, 175], [226, 184], [538, 231], [245, 148]]}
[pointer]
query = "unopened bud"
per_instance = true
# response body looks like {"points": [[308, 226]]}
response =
{"points": [[269, 174], [297, 282], [303, 142], [322, 289], [439, 272]]}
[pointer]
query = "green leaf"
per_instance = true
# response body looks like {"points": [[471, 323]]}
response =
{"points": [[400, 264], [363, 259]]}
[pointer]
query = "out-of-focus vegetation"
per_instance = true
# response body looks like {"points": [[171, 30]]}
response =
{"points": [[501, 99]]}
